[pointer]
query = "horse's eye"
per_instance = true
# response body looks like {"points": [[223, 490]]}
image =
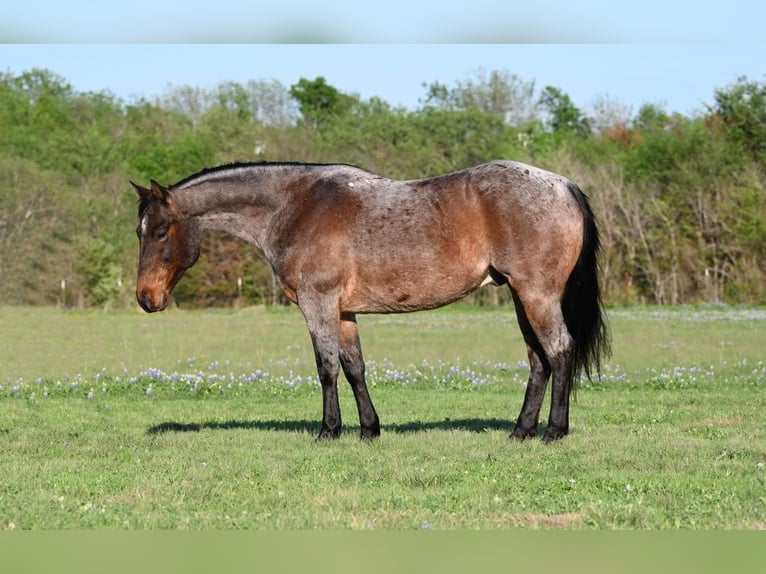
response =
{"points": [[161, 233]]}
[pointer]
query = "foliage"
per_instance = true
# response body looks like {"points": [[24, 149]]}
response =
{"points": [[101, 269], [498, 93], [563, 115], [680, 198], [741, 108], [319, 102]]}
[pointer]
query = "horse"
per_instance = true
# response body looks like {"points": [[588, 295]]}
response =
{"points": [[343, 241]]}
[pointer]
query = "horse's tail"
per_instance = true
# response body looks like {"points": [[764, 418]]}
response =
{"points": [[582, 306]]}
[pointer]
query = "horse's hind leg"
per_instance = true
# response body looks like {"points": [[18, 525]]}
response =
{"points": [[539, 372], [352, 362], [544, 317]]}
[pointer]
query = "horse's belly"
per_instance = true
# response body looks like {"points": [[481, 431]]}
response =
{"points": [[393, 291]]}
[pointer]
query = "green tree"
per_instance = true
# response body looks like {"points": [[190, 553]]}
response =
{"points": [[563, 116], [319, 102], [652, 118], [163, 144], [742, 109], [235, 97], [100, 265]]}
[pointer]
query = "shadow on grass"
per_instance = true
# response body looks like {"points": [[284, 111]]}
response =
{"points": [[312, 427]]}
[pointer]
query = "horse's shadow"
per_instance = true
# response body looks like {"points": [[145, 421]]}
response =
{"points": [[313, 427]]}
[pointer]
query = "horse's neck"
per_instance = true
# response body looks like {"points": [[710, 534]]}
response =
{"points": [[240, 209]]}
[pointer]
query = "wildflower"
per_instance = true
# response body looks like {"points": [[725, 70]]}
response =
{"points": [[426, 525], [759, 466], [90, 395], [628, 488]]}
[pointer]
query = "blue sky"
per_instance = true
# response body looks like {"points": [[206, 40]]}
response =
{"points": [[507, 21], [652, 51]]}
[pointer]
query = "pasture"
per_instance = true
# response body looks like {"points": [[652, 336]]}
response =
{"points": [[193, 420]]}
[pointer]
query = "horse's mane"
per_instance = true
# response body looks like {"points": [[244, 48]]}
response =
{"points": [[236, 166], [210, 172]]}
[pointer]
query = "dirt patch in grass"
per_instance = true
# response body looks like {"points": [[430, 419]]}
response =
{"points": [[541, 520], [726, 421]]}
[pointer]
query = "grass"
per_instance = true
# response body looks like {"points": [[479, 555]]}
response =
{"points": [[193, 420]]}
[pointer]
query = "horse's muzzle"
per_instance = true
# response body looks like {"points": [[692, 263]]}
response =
{"points": [[148, 304]]}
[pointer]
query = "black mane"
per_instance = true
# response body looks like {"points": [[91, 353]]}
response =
{"points": [[245, 165]]}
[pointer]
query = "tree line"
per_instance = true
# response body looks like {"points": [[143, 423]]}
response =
{"points": [[680, 198]]}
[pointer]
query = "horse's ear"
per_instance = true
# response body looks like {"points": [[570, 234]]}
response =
{"points": [[140, 190], [160, 192]]}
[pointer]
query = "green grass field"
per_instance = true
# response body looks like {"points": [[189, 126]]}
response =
{"points": [[194, 420]]}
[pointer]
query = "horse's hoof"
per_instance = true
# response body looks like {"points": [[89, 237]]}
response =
{"points": [[552, 435], [369, 434], [328, 434], [520, 434]]}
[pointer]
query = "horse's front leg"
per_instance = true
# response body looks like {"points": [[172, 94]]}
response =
{"points": [[323, 321], [352, 363]]}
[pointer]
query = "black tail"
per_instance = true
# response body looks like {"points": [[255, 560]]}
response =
{"points": [[582, 307]]}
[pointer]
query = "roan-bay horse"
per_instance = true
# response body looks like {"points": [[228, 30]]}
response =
{"points": [[342, 241]]}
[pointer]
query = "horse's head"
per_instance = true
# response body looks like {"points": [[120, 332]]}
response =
{"points": [[169, 244]]}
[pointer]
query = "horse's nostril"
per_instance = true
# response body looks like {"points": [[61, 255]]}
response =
{"points": [[145, 300]]}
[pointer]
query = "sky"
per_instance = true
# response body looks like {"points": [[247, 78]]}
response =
{"points": [[499, 21], [649, 52]]}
